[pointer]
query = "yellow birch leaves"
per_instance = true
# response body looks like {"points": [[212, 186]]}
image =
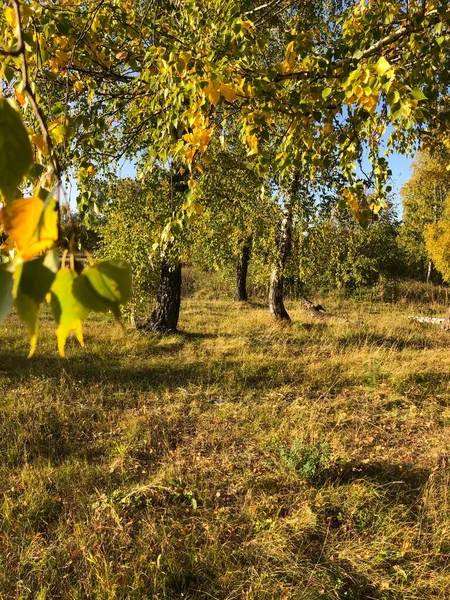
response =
{"points": [[31, 224], [30, 277]]}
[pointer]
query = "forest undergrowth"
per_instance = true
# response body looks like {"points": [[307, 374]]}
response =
{"points": [[238, 459]]}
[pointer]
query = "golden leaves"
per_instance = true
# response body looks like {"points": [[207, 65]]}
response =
{"points": [[215, 89], [199, 138], [252, 143], [31, 224], [369, 102], [383, 66], [212, 92], [227, 92], [10, 16], [351, 200]]}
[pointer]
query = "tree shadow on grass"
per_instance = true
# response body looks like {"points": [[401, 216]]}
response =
{"points": [[194, 336], [379, 340], [424, 384], [402, 484], [141, 373], [92, 368]]}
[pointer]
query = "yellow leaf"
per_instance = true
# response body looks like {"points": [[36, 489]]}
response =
{"points": [[228, 92], [20, 97], [376, 207], [250, 91], [351, 200], [290, 47], [10, 16], [32, 224], [61, 41], [199, 138], [185, 56], [78, 85], [247, 25], [211, 91], [39, 142], [54, 65], [383, 66], [63, 57], [252, 143], [327, 128], [189, 155], [369, 102]]}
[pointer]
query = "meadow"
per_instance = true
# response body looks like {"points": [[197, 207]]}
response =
{"points": [[238, 459]]}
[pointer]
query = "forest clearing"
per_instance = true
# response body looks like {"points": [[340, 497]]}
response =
{"points": [[224, 300], [236, 459]]}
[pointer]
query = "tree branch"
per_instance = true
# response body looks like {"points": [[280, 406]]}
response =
{"points": [[30, 94], [379, 45]]}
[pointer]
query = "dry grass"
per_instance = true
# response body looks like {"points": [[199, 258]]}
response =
{"points": [[239, 459]]}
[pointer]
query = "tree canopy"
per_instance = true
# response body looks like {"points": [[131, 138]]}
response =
{"points": [[312, 89]]}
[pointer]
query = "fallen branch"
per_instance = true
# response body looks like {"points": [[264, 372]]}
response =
{"points": [[432, 320]]}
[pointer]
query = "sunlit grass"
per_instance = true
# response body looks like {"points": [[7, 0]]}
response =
{"points": [[239, 459]]}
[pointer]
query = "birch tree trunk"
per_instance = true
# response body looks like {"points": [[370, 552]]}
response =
{"points": [[276, 303], [164, 318], [429, 268]]}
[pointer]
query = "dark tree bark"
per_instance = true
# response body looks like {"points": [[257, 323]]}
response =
{"points": [[164, 318], [276, 303], [242, 270]]}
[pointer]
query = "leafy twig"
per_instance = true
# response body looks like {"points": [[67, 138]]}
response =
{"points": [[20, 52]]}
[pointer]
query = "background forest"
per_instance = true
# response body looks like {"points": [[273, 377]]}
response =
{"points": [[331, 253]]}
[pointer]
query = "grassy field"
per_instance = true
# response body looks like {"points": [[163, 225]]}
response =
{"points": [[239, 459]]}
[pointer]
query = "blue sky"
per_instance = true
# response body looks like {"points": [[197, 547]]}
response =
{"points": [[400, 166], [401, 172]]}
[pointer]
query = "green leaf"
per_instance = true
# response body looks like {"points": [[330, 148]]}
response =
{"points": [[67, 309], [38, 276], [35, 281], [6, 290], [397, 111], [9, 74], [15, 150], [28, 312], [326, 92], [111, 280], [85, 293], [417, 94], [393, 97]]}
